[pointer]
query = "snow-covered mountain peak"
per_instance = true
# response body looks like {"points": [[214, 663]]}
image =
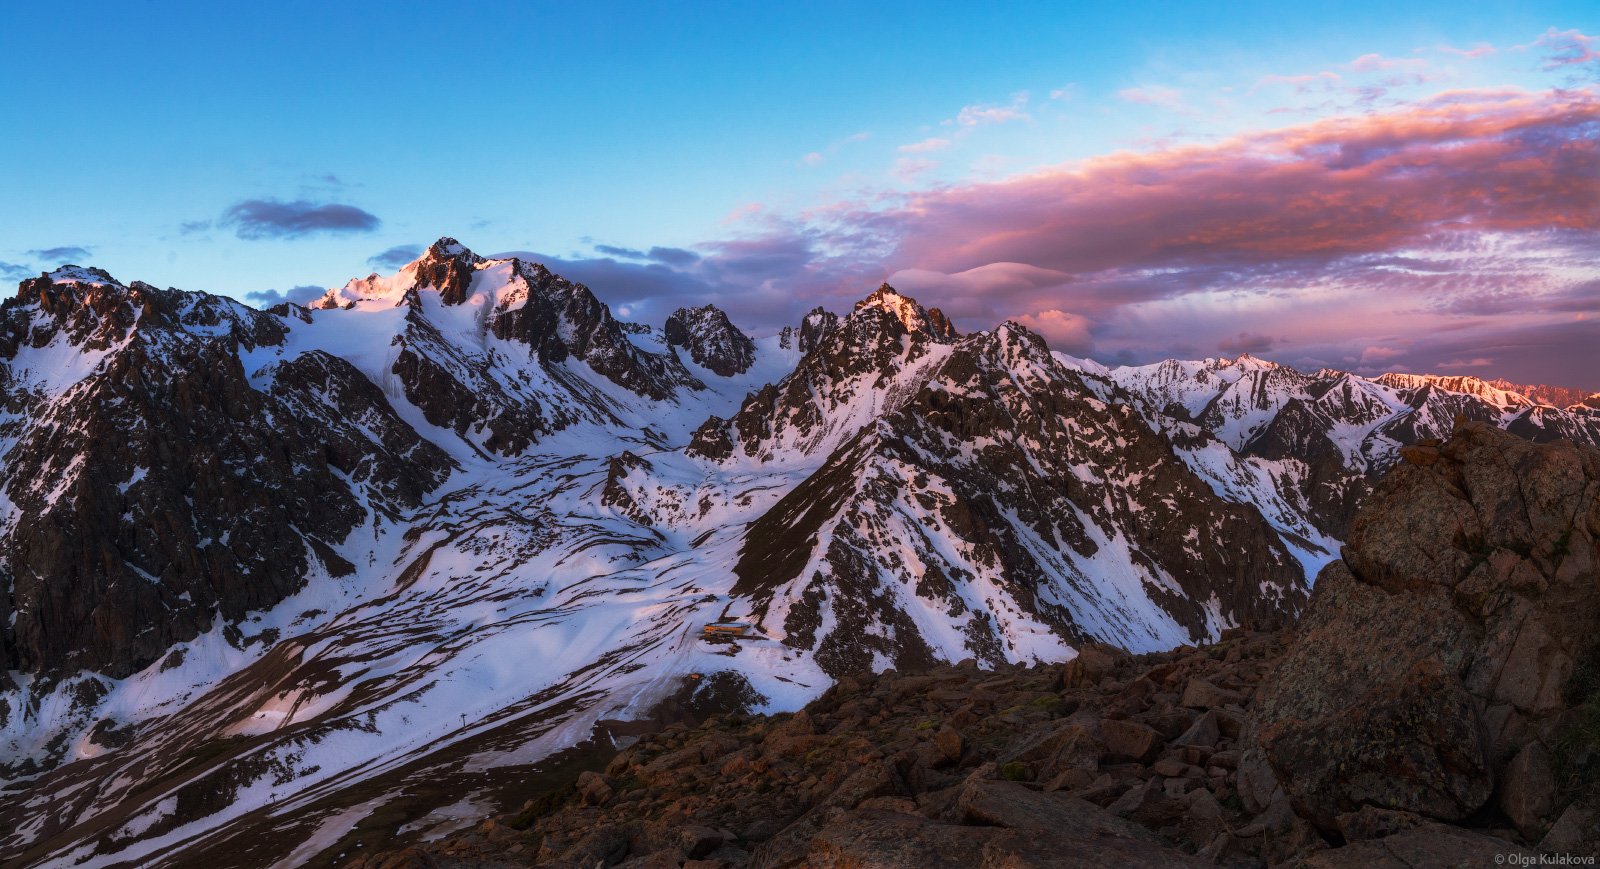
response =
{"points": [[913, 316], [1247, 362], [448, 248]]}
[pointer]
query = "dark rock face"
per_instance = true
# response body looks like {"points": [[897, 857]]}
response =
{"points": [[165, 488], [1435, 668], [712, 340], [813, 328], [447, 267], [453, 392], [330, 398]]}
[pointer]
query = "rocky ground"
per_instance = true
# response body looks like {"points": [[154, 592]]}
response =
{"points": [[1438, 705]]}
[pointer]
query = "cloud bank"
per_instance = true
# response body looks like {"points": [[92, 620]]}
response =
{"points": [[1462, 227]]}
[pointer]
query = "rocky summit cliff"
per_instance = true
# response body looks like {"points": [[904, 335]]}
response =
{"points": [[1439, 705], [279, 583]]}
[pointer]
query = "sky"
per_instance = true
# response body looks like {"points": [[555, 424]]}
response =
{"points": [[1345, 185]]}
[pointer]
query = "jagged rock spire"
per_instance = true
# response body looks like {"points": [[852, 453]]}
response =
{"points": [[913, 316]]}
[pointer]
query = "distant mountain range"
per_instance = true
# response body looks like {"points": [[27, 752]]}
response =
{"points": [[270, 572]]}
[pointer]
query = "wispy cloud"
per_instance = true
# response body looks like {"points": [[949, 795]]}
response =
{"points": [[967, 122], [1305, 83], [1169, 98], [934, 143], [1379, 63], [912, 169], [984, 114], [1246, 342], [1476, 50], [396, 256], [63, 254], [1567, 48], [254, 219], [817, 158], [672, 256], [15, 271]]}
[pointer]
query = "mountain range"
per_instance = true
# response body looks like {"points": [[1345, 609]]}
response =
{"points": [[280, 578]]}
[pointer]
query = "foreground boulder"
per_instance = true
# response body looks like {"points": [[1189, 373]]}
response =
{"points": [[1446, 665]]}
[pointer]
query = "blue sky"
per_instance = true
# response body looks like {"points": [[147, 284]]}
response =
{"points": [[560, 128]]}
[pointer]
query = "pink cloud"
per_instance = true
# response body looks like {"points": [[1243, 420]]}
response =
{"points": [[1475, 211], [910, 169], [983, 115], [1300, 83], [1155, 95], [1379, 63], [1481, 49], [1379, 354], [1068, 333], [1567, 48], [931, 144]]}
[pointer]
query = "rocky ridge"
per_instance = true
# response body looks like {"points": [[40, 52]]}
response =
{"points": [[711, 339]]}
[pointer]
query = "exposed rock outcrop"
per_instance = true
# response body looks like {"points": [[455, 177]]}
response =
{"points": [[815, 326], [711, 339], [1445, 667]]}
